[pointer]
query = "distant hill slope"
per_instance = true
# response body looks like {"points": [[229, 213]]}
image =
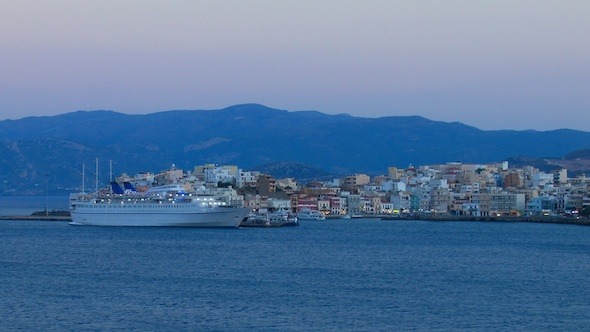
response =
{"points": [[576, 162], [36, 149], [299, 171]]}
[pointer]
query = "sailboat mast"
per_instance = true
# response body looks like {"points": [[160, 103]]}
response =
{"points": [[83, 177], [110, 176], [96, 176]]}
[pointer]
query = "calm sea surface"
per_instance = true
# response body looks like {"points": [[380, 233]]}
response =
{"points": [[367, 275], [25, 205]]}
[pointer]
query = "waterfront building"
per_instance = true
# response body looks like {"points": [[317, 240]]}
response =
{"points": [[575, 200], [354, 204], [482, 202], [472, 209], [336, 206], [507, 204], [457, 203], [279, 204], [375, 204], [305, 201], [401, 200], [439, 200], [541, 205], [387, 208], [344, 202], [324, 205], [561, 199]]}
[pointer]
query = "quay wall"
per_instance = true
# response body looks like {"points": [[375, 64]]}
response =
{"points": [[441, 218]]}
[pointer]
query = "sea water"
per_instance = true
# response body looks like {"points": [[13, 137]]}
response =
{"points": [[359, 274], [26, 205]]}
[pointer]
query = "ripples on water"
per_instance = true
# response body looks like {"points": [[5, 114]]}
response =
{"points": [[329, 275]]}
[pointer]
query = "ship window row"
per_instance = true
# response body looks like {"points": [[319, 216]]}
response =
{"points": [[102, 206], [147, 208]]}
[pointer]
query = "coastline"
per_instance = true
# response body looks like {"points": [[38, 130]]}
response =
{"points": [[439, 218], [446, 218], [539, 220]]}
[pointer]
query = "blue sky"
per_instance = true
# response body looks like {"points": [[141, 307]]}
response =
{"points": [[490, 64]]}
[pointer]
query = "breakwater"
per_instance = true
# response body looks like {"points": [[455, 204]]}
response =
{"points": [[37, 217], [54, 215]]}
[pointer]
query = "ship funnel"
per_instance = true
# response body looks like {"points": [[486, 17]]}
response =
{"points": [[128, 186], [117, 188]]}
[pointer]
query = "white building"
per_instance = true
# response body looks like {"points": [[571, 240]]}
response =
{"points": [[279, 204], [220, 174], [401, 200], [438, 184], [542, 205], [541, 179], [247, 178], [393, 186], [472, 209], [286, 183]]}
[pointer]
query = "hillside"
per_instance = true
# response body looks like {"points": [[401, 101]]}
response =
{"points": [[38, 149]]}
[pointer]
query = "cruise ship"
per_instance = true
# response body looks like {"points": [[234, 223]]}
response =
{"points": [[166, 205]]}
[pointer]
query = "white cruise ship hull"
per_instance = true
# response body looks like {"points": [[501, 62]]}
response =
{"points": [[163, 215]]}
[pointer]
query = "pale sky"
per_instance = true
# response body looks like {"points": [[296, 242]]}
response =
{"points": [[489, 64]]}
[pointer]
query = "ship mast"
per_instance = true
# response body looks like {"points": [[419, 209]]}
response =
{"points": [[83, 176], [96, 180], [110, 176]]}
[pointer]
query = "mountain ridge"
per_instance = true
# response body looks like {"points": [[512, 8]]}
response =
{"points": [[53, 148]]}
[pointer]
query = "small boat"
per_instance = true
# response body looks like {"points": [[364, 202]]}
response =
{"points": [[307, 214], [289, 217], [263, 220]]}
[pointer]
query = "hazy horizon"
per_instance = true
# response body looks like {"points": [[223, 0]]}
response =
{"points": [[488, 64]]}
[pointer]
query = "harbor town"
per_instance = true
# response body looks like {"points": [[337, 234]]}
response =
{"points": [[451, 191]]}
